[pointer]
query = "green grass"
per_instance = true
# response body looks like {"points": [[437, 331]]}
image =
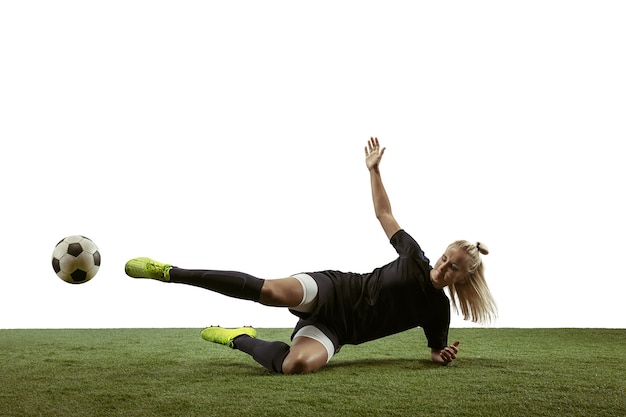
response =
{"points": [[173, 372]]}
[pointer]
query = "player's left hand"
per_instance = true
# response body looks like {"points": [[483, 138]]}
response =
{"points": [[447, 354]]}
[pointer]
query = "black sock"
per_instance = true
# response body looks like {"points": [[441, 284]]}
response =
{"points": [[269, 354], [231, 283]]}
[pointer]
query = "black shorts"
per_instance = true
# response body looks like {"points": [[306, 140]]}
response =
{"points": [[323, 311]]}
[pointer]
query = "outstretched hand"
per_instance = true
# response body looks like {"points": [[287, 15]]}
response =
{"points": [[373, 154]]}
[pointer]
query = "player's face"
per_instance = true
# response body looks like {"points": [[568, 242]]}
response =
{"points": [[451, 268]]}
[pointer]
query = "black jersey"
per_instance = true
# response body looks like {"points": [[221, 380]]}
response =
{"points": [[393, 298]]}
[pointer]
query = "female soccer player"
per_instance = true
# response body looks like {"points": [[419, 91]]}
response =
{"points": [[337, 308]]}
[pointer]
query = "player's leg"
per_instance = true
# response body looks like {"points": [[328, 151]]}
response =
{"points": [[231, 283], [285, 292], [298, 292], [310, 350], [269, 354]]}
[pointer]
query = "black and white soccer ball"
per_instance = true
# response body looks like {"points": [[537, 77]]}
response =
{"points": [[76, 259]]}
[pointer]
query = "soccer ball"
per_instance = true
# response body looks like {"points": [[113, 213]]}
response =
{"points": [[76, 259]]}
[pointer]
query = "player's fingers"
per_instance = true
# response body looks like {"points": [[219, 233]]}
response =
{"points": [[451, 352]]}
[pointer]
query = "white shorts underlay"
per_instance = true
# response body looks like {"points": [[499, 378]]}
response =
{"points": [[314, 333], [309, 288]]}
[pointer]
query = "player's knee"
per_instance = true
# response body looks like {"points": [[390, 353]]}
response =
{"points": [[300, 363], [281, 292], [271, 293], [268, 294]]}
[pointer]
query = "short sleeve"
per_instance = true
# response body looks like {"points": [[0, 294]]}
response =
{"points": [[406, 246]]}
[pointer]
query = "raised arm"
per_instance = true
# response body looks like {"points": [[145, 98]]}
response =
{"points": [[382, 206]]}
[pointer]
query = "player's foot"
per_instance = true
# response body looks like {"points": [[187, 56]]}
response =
{"points": [[148, 268], [217, 334]]}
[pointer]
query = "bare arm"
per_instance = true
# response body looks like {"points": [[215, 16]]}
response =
{"points": [[382, 206]]}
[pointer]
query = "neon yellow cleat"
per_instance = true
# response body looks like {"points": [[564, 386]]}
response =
{"points": [[147, 268], [217, 334]]}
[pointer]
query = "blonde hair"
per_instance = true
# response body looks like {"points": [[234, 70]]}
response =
{"points": [[472, 296]]}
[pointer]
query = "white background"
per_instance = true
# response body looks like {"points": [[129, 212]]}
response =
{"points": [[230, 135]]}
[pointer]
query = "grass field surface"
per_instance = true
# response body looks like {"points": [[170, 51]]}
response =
{"points": [[173, 372]]}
